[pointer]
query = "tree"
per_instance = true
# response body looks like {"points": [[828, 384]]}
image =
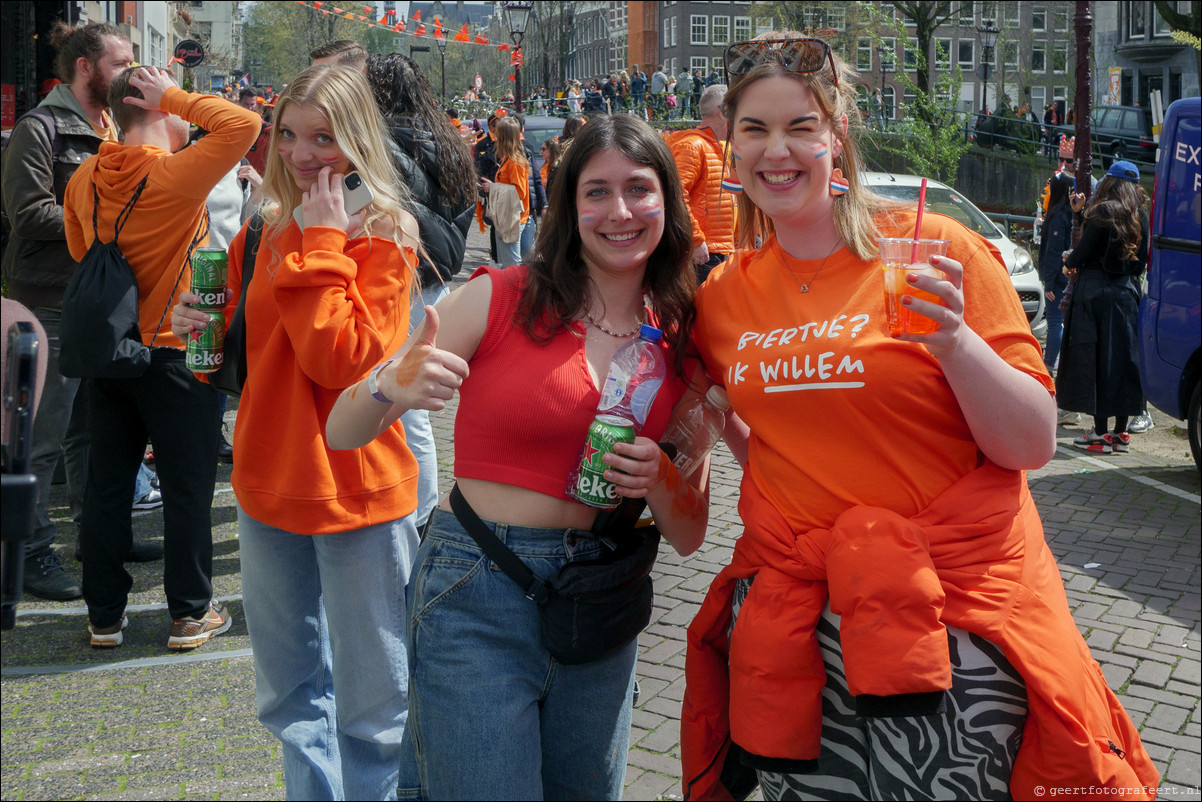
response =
{"points": [[278, 38], [1189, 23]]}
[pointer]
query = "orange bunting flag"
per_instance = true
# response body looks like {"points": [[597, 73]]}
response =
{"points": [[421, 30], [367, 9], [382, 21], [438, 34], [337, 10], [175, 60], [417, 15], [513, 77], [481, 39], [317, 3], [349, 15], [400, 26], [503, 47], [462, 36]]}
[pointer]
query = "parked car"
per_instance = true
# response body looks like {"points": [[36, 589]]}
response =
{"points": [[943, 199], [1120, 132], [1170, 314]]}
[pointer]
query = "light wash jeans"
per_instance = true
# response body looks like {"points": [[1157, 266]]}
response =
{"points": [[419, 434], [509, 253], [527, 240], [326, 618], [491, 714]]}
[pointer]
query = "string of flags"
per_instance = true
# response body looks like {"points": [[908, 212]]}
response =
{"points": [[390, 22]]}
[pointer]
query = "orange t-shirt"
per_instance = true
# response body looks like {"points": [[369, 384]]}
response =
{"points": [[511, 172], [841, 414]]}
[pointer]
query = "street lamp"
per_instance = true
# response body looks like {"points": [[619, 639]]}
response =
{"points": [[441, 41], [517, 15], [988, 33]]}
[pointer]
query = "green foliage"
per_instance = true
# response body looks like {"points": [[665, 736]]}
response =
{"points": [[280, 36], [930, 134], [1187, 38]]}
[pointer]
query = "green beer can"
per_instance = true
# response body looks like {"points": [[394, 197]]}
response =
{"points": [[204, 352], [210, 268], [591, 487]]}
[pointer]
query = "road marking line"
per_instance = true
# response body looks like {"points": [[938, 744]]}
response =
{"points": [[145, 662], [1161, 486]]}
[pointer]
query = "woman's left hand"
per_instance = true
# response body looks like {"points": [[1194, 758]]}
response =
{"points": [[637, 468], [949, 316], [322, 205]]}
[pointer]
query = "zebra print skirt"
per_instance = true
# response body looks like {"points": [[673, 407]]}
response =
{"points": [[965, 752]]}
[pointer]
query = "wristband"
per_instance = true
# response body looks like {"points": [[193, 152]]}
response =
{"points": [[371, 383]]}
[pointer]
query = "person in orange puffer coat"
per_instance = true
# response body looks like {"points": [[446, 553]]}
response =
{"points": [[699, 159]]}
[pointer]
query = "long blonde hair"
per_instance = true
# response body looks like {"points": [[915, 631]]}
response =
{"points": [[344, 98], [854, 211]]}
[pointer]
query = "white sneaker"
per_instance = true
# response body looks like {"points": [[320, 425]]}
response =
{"points": [[151, 501], [1066, 418], [1141, 423]]}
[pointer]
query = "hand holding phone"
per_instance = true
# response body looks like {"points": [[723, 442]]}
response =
{"points": [[334, 203]]}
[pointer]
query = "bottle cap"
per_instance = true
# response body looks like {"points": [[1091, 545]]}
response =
{"points": [[650, 333], [717, 396]]}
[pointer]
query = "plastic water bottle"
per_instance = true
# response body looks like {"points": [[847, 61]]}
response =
{"points": [[696, 427], [635, 375]]}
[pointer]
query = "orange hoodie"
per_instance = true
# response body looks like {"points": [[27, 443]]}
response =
{"points": [[712, 210], [170, 209]]}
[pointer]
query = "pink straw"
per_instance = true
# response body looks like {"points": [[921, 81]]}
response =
{"points": [[922, 202]]}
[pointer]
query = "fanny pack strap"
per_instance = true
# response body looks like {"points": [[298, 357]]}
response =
{"points": [[533, 587]]}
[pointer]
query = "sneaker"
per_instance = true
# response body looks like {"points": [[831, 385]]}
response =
{"points": [[188, 633], [1141, 423], [46, 579], [1120, 442], [1094, 443], [151, 501], [1066, 418], [108, 637]]}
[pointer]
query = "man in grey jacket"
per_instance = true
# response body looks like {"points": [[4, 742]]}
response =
{"points": [[41, 157]]}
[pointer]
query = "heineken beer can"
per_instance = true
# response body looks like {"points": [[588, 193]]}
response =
{"points": [[210, 267], [591, 487], [204, 351]]}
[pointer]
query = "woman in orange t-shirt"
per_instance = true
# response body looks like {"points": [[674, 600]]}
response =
{"points": [[884, 474], [512, 170]]}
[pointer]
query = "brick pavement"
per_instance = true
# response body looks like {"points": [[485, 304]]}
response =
{"points": [[139, 723]]}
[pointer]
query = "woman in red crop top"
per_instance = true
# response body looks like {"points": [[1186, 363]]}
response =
{"points": [[492, 714]]}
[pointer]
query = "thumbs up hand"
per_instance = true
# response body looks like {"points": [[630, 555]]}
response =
{"points": [[424, 377]]}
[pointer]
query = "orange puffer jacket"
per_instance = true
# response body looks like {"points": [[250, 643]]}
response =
{"points": [[712, 210], [976, 559]]}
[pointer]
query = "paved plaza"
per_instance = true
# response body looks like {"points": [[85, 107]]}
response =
{"points": [[140, 723]]}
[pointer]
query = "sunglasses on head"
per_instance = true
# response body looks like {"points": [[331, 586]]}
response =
{"points": [[795, 55]]}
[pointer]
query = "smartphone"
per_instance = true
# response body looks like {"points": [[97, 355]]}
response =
{"points": [[356, 194]]}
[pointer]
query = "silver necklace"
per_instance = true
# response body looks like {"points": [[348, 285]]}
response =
{"points": [[631, 333], [806, 286]]}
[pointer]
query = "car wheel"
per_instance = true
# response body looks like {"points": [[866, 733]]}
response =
{"points": [[1195, 427]]}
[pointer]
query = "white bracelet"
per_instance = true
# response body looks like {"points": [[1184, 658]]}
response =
{"points": [[371, 383]]}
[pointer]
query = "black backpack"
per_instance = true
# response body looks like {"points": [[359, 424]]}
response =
{"points": [[99, 336]]}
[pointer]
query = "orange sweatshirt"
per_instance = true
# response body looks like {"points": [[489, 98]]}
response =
{"points": [[511, 172], [320, 313], [170, 209]]}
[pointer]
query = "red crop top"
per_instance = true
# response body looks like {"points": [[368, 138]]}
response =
{"points": [[525, 407]]}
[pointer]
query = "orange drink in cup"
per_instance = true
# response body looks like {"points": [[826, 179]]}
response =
{"points": [[899, 258]]}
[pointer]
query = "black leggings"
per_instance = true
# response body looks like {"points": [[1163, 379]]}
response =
{"points": [[1120, 424]]}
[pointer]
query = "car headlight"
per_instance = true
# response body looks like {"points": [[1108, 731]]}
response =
{"points": [[1023, 263]]}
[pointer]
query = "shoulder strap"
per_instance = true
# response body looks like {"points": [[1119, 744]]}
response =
{"points": [[119, 223], [534, 588], [250, 250]]}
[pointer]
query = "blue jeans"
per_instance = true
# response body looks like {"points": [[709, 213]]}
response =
{"points": [[492, 715], [509, 253], [527, 240], [419, 434], [326, 618], [1055, 318]]}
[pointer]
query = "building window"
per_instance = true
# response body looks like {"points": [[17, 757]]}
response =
{"points": [[910, 54], [888, 11], [1010, 55], [889, 103], [742, 29], [1039, 19], [1011, 12], [721, 30], [888, 54], [864, 54], [674, 32], [943, 53], [699, 29], [667, 35], [1060, 19], [1137, 20], [966, 53], [699, 63], [1060, 58], [1039, 57], [716, 65], [1039, 100], [966, 17], [989, 11], [836, 16]]}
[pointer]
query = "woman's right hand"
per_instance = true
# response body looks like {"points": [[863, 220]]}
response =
{"points": [[425, 377], [185, 318]]}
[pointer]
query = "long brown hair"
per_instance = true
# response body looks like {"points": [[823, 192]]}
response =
{"points": [[854, 211], [558, 285], [509, 141], [1118, 204]]}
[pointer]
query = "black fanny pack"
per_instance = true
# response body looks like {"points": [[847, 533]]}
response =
{"points": [[588, 609]]}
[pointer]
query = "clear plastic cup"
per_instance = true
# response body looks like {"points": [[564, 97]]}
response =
{"points": [[899, 258]]}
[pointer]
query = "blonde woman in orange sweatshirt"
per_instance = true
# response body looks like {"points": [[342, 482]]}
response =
{"points": [[326, 544], [509, 209]]}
